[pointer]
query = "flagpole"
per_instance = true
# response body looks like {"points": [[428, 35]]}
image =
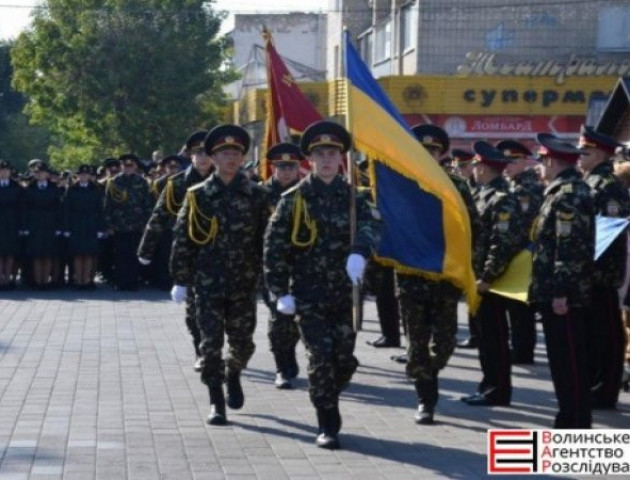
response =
{"points": [[357, 311]]}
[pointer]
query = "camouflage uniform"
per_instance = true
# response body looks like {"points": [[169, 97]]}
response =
{"points": [[222, 266], [606, 333], [314, 274], [529, 190], [282, 330], [159, 231], [128, 204], [501, 238], [429, 311], [564, 239]]}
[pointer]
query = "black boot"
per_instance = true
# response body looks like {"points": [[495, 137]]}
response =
{"points": [[217, 407], [327, 420], [235, 397], [293, 369], [427, 396], [282, 381]]}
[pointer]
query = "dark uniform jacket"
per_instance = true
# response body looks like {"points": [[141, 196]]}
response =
{"points": [[83, 218], [220, 250], [275, 190], [128, 203], [10, 218], [529, 190], [165, 211], [502, 232], [42, 219], [564, 242], [310, 264], [610, 199], [476, 225]]}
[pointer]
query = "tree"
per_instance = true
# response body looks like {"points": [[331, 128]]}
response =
{"points": [[108, 76], [19, 142]]}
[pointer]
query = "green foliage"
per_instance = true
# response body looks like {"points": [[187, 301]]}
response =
{"points": [[19, 142], [110, 76]]}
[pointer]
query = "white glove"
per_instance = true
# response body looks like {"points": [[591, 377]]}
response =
{"points": [[286, 305], [26, 233], [355, 266], [58, 233], [66, 234], [178, 293], [100, 235], [144, 261]]}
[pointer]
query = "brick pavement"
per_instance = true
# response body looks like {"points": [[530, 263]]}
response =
{"points": [[100, 385]]}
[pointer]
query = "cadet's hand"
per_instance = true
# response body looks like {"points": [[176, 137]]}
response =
{"points": [[178, 293], [286, 305], [144, 261], [66, 234], [58, 233], [100, 235], [559, 306], [482, 287], [355, 267]]}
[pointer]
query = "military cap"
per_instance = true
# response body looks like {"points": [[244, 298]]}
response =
{"points": [[514, 149], [283, 153], [462, 157], [171, 160], [84, 168], [486, 154], [4, 164], [590, 138], [111, 162], [324, 133], [552, 146], [53, 171], [127, 159], [432, 136], [195, 140], [227, 136], [33, 163], [41, 167]]}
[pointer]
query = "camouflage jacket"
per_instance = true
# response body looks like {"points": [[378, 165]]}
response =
{"points": [[476, 226], [610, 199], [275, 191], [529, 190], [310, 263], [564, 242], [165, 210], [128, 203], [157, 186], [218, 235], [502, 233]]}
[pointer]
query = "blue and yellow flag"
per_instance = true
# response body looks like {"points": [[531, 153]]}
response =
{"points": [[426, 225]]}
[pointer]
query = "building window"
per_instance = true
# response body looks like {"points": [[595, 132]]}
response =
{"points": [[409, 23], [613, 34], [366, 48], [383, 41]]}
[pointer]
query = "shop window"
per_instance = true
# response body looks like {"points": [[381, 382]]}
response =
{"points": [[409, 26], [613, 34], [383, 41]]}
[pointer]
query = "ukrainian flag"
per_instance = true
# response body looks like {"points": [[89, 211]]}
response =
{"points": [[426, 225]]}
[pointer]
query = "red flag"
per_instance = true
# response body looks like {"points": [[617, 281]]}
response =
{"points": [[288, 110]]}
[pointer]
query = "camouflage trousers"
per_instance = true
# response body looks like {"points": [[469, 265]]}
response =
{"points": [[282, 330], [429, 311], [218, 317], [326, 330], [191, 320]]}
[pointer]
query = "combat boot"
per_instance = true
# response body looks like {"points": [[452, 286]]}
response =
{"points": [[327, 437], [217, 407], [235, 397], [293, 369], [282, 378], [427, 397]]}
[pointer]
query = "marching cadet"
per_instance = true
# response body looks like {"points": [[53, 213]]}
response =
{"points": [[282, 330], [158, 234], [463, 163], [501, 237], [84, 224], [562, 272], [429, 307], [606, 333], [42, 224], [128, 204], [10, 218], [307, 244], [217, 250], [525, 184]]}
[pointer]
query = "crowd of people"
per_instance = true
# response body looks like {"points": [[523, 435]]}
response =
{"points": [[199, 225]]}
